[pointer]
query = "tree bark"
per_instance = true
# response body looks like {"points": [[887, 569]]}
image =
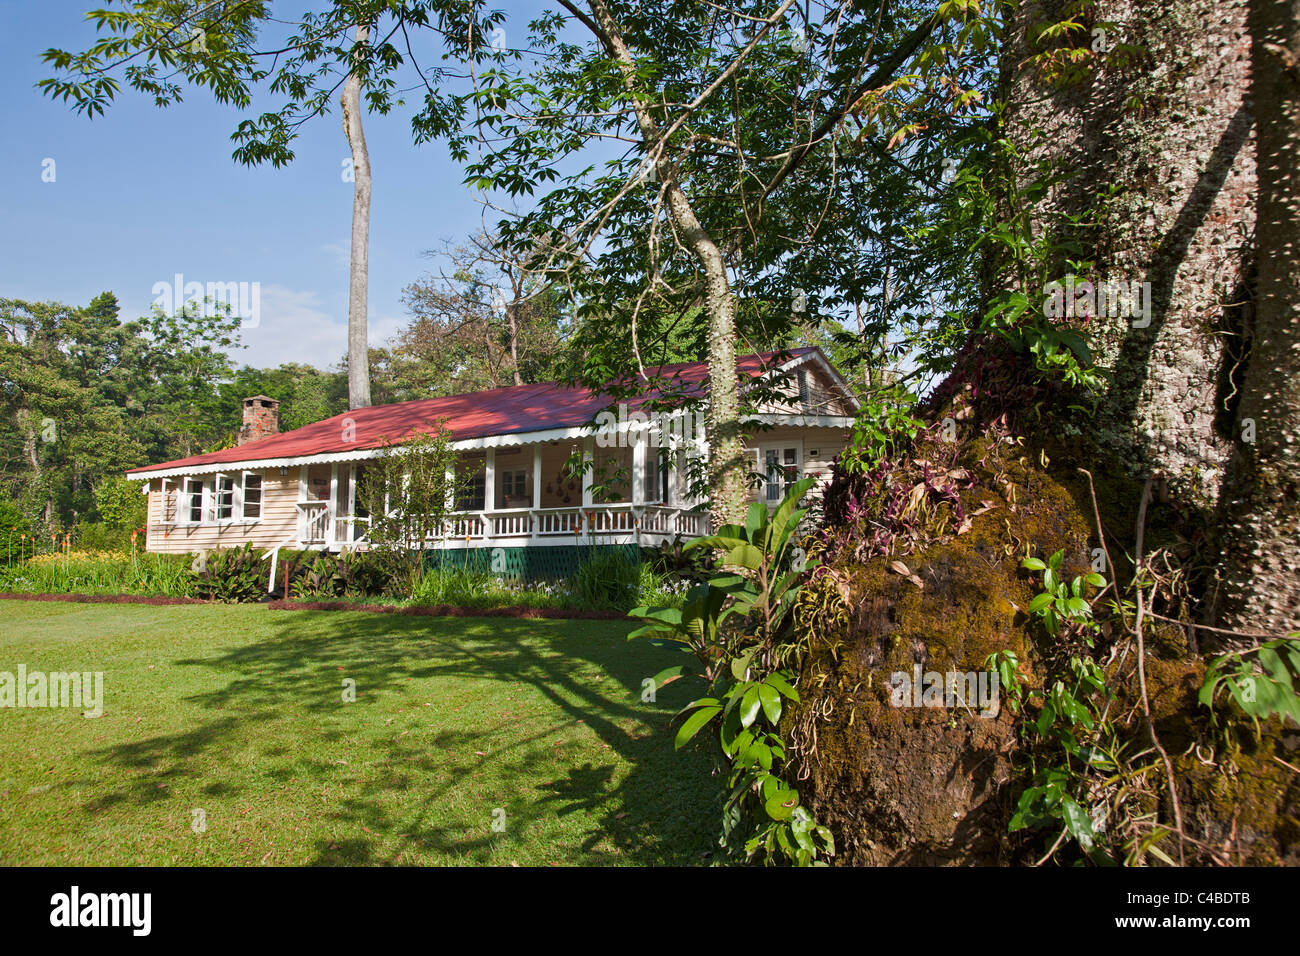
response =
{"points": [[1262, 512], [512, 325], [727, 463], [358, 345], [1156, 154]]}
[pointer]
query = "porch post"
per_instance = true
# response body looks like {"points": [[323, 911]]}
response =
{"points": [[587, 476], [638, 469], [489, 492], [537, 486], [450, 506], [332, 505], [302, 497]]}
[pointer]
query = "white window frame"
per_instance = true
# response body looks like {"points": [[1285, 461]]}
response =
{"points": [[657, 475], [780, 448], [242, 495], [218, 493], [186, 501]]}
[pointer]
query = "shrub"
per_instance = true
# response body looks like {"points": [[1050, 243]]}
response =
{"points": [[231, 574], [101, 537], [674, 559], [120, 504], [350, 572], [13, 524], [608, 579], [464, 587]]}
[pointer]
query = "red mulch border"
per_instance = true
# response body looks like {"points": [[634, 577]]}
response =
{"points": [[105, 598], [449, 610], [424, 610]]}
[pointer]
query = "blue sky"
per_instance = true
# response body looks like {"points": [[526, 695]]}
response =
{"points": [[141, 194]]}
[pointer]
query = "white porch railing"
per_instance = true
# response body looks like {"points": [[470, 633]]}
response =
{"points": [[313, 522], [595, 521], [517, 526]]}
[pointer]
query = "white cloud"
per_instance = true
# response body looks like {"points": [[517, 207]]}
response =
{"points": [[295, 327], [340, 252]]}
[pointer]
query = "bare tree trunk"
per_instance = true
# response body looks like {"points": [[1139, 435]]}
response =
{"points": [[1262, 511], [727, 462], [512, 325], [358, 346]]}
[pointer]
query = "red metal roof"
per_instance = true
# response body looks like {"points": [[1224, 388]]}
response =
{"points": [[497, 411]]}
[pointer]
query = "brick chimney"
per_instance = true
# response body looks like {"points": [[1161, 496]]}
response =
{"points": [[261, 419]]}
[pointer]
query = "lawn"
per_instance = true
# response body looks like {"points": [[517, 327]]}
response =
{"points": [[471, 741]]}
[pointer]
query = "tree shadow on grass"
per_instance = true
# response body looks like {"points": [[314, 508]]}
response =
{"points": [[646, 805]]}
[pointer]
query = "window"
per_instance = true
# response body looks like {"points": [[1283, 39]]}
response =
{"points": [[471, 494], [656, 476], [166, 503], [192, 501], [252, 496], [514, 484], [780, 471], [805, 390], [223, 501]]}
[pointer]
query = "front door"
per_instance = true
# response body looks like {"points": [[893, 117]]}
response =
{"points": [[350, 516]]}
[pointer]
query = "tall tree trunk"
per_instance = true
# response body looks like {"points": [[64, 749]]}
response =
{"points": [[358, 345], [1262, 510], [1157, 153], [512, 325], [727, 464]]}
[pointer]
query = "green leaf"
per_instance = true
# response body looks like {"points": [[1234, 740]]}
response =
{"points": [[667, 676], [755, 523], [740, 664], [1077, 821], [780, 682], [770, 698], [745, 556], [781, 806], [693, 724]]}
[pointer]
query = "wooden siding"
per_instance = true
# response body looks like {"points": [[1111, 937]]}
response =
{"points": [[818, 448], [824, 396], [278, 521]]}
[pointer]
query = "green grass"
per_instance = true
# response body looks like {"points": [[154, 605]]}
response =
{"points": [[238, 711]]}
